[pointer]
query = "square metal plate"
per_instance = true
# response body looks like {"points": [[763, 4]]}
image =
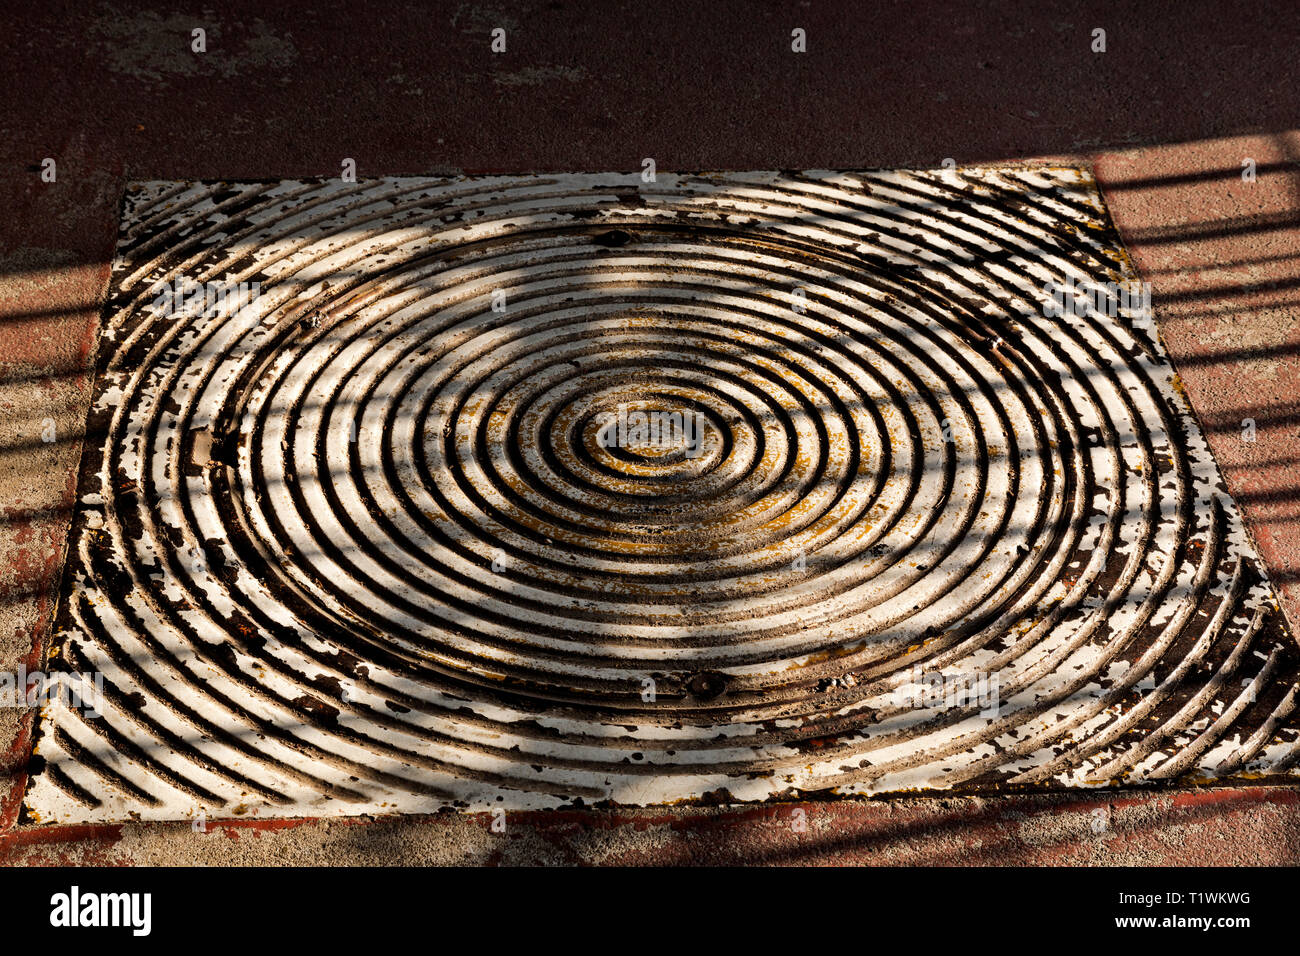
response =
{"points": [[525, 491]]}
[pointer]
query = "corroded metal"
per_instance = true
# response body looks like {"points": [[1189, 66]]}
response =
{"points": [[353, 539]]}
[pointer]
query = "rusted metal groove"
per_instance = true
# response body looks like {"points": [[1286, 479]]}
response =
{"points": [[364, 543]]}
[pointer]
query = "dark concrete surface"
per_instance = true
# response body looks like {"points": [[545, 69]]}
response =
{"points": [[1183, 94]]}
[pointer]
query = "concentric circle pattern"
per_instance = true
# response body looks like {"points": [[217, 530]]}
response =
{"points": [[521, 491]]}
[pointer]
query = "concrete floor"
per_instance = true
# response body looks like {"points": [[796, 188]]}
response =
{"points": [[1166, 117]]}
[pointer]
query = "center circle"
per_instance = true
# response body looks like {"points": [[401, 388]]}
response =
{"points": [[653, 430], [660, 435]]}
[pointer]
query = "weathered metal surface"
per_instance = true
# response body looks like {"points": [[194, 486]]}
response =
{"points": [[356, 545]]}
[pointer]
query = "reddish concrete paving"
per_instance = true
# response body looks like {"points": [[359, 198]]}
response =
{"points": [[54, 249], [1223, 258], [1259, 827], [1165, 117]]}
